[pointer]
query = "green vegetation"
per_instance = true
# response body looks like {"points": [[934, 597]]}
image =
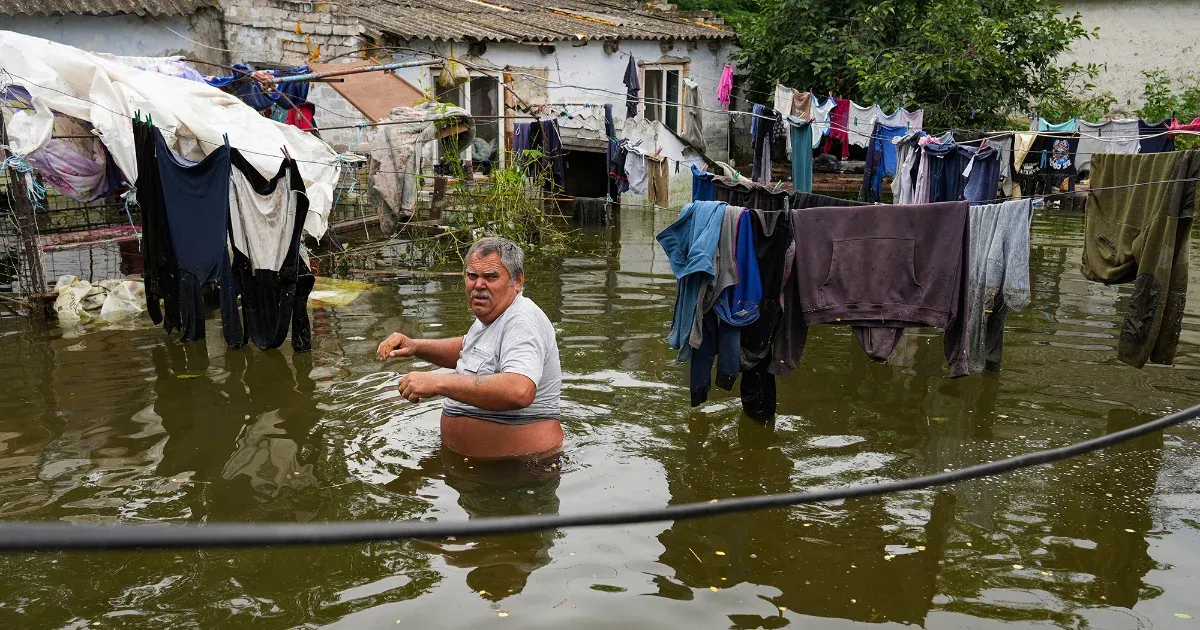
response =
{"points": [[1162, 101], [969, 63]]}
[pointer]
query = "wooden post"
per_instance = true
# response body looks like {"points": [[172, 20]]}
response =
{"points": [[26, 222], [437, 203]]}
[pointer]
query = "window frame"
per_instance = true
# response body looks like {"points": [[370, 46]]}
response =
{"points": [[661, 108], [464, 97]]}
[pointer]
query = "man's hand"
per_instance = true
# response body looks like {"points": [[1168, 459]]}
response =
{"points": [[416, 386], [396, 345]]}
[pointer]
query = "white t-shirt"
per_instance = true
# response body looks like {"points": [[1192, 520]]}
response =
{"points": [[262, 224], [520, 341]]}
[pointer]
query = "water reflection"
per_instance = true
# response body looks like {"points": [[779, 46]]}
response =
{"points": [[500, 566], [1100, 522], [123, 426], [241, 437]]}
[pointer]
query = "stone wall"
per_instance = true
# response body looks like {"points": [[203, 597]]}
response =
{"points": [[289, 32], [335, 111]]}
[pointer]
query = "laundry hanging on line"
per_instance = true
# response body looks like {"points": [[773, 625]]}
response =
{"points": [[273, 280], [218, 221], [192, 116], [1137, 229]]}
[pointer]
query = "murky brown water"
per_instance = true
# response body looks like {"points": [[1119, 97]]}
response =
{"points": [[123, 426]]}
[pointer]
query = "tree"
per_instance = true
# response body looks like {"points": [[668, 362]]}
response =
{"points": [[968, 63]]}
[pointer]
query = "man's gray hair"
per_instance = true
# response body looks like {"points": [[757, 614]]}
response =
{"points": [[511, 254]]}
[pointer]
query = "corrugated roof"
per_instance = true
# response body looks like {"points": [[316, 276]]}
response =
{"points": [[525, 21], [102, 7]]}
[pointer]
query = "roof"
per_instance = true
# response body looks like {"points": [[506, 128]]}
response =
{"points": [[374, 94], [528, 21], [103, 7]]}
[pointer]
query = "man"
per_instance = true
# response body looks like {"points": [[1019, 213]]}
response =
{"points": [[503, 398]]}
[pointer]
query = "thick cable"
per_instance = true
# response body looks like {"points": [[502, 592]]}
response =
{"points": [[32, 536]]}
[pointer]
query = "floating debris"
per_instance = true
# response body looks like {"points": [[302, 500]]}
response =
{"points": [[720, 553]]}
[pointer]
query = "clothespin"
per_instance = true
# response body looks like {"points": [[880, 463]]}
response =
{"points": [[150, 119], [137, 115], [285, 152], [226, 138]]}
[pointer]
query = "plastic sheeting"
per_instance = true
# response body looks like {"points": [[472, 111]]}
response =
{"points": [[173, 66], [78, 167], [193, 116], [80, 301]]}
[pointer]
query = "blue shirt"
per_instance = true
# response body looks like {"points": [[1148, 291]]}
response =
{"points": [[690, 243]]}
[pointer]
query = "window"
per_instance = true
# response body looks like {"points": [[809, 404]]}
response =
{"points": [[485, 103], [662, 93], [481, 97]]}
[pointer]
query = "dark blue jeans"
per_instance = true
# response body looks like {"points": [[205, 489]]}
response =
{"points": [[722, 343]]}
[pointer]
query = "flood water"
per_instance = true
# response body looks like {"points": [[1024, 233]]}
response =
{"points": [[126, 426]]}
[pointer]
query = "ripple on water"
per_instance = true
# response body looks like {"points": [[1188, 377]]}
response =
{"points": [[118, 425]]}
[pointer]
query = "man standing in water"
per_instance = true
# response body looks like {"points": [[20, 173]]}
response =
{"points": [[503, 398]]}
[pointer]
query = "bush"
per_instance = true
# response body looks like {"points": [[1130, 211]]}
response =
{"points": [[968, 63]]}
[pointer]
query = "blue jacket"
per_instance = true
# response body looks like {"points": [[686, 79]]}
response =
{"points": [[690, 243], [738, 305]]}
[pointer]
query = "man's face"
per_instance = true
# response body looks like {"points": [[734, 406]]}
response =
{"points": [[489, 288]]}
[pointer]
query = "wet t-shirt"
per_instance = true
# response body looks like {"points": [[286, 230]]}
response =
{"points": [[520, 341]]}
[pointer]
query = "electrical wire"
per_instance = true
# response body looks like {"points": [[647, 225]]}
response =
{"points": [[44, 536]]}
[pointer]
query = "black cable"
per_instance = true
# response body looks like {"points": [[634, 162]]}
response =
{"points": [[32, 536]]}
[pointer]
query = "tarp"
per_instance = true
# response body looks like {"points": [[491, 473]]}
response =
{"points": [[106, 94], [401, 147]]}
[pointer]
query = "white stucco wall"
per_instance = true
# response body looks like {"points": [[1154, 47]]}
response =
{"points": [[601, 74], [1135, 36], [582, 72], [130, 34]]}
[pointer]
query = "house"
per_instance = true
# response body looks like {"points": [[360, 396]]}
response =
{"points": [[567, 59], [1136, 36], [140, 28]]}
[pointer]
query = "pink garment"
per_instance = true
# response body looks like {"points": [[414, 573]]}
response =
{"points": [[1174, 125], [922, 188], [838, 117], [725, 88]]}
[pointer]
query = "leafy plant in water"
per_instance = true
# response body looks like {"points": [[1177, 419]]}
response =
{"points": [[509, 203]]}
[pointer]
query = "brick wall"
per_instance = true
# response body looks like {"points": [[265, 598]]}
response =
{"points": [[296, 32]]}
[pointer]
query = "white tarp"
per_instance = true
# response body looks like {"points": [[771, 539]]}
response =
{"points": [[105, 93]]}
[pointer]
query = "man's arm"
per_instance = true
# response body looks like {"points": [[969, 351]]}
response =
{"points": [[440, 352], [492, 392]]}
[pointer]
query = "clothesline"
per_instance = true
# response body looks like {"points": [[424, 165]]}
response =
{"points": [[535, 79], [221, 143]]}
